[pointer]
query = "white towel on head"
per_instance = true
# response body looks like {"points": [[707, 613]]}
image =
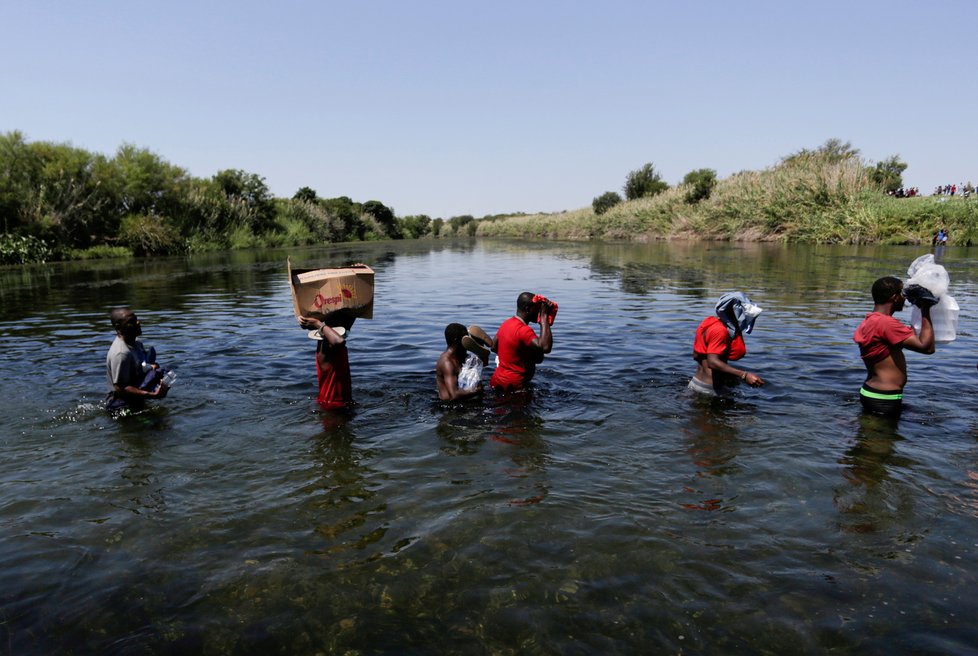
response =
{"points": [[745, 312]]}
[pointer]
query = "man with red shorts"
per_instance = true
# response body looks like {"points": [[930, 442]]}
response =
{"points": [[520, 350], [332, 360], [881, 340]]}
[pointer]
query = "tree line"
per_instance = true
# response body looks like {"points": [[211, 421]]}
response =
{"points": [[58, 201], [62, 202]]}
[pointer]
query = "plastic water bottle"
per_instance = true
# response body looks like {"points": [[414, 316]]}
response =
{"points": [[169, 378], [944, 318]]}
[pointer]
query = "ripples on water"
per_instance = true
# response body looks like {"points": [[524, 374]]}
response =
{"points": [[606, 512]]}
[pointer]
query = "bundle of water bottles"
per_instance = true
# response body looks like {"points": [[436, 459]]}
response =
{"points": [[153, 374], [926, 273]]}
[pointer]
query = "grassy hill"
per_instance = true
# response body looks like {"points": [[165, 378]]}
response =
{"points": [[808, 197]]}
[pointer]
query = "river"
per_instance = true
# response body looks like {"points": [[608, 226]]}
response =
{"points": [[607, 512]]}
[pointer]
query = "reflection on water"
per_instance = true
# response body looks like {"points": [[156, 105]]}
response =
{"points": [[872, 494], [610, 510], [713, 436]]}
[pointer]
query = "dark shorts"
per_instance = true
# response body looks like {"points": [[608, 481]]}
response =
{"points": [[881, 402]]}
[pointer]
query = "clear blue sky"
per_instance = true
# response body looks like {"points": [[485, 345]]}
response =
{"points": [[455, 107]]}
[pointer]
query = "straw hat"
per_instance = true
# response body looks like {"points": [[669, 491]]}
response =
{"points": [[478, 342]]}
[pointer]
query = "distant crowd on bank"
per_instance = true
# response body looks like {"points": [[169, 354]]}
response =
{"points": [[960, 189]]}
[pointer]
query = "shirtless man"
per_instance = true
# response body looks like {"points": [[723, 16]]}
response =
{"points": [[450, 364], [881, 339]]}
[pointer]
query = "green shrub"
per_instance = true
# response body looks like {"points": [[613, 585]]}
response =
{"points": [[415, 227], [888, 174], [241, 236], [644, 182], [21, 249], [605, 202], [291, 232], [700, 184], [150, 235], [320, 225], [206, 241]]}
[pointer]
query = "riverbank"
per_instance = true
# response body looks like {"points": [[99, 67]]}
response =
{"points": [[60, 202], [800, 201]]}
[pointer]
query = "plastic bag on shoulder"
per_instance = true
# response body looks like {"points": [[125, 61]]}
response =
{"points": [[471, 374]]}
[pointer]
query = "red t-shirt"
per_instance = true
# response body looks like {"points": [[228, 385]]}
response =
{"points": [[517, 359], [712, 336], [878, 334], [335, 384]]}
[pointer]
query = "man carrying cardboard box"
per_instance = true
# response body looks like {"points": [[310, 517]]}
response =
{"points": [[327, 302], [332, 361]]}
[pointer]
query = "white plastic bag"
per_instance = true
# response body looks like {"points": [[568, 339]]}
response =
{"points": [[944, 316], [925, 272], [471, 374]]}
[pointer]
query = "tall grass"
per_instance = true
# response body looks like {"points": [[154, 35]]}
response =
{"points": [[101, 252], [807, 198]]}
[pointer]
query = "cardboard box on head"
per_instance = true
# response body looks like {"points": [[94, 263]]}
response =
{"points": [[317, 292]]}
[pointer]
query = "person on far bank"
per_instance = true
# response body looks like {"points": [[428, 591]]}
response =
{"points": [[720, 339], [519, 348], [882, 339], [458, 373], [332, 359], [132, 379]]}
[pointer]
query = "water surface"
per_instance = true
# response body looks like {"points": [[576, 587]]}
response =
{"points": [[607, 512]]}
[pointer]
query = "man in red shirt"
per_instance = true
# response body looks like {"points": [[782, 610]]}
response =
{"points": [[520, 350], [720, 339], [881, 340]]}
